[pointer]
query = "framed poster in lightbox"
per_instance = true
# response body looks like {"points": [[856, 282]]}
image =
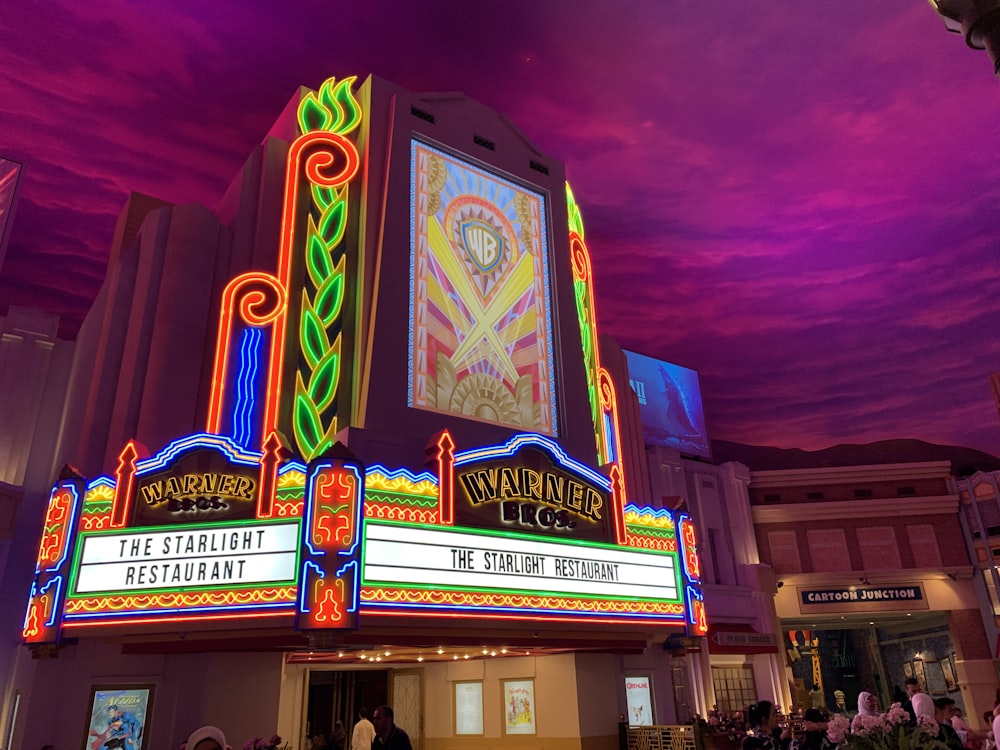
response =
{"points": [[468, 708], [118, 716], [639, 700], [518, 706]]}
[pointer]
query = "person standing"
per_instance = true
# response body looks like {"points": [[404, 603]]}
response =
{"points": [[814, 731], [816, 697], [338, 736], [206, 738], [387, 735], [764, 733], [364, 733], [944, 709], [921, 704], [867, 704]]}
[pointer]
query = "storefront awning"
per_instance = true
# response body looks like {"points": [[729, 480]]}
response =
{"points": [[737, 638]]}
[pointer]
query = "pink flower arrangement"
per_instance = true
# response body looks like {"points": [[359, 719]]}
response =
{"points": [[866, 724], [837, 729], [897, 715], [888, 731], [259, 743], [928, 724]]}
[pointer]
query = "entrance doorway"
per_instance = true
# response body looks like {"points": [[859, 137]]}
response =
{"points": [[336, 695], [407, 703]]}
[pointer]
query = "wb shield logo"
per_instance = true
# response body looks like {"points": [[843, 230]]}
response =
{"points": [[483, 243]]}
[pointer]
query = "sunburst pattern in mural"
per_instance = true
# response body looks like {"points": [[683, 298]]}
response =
{"points": [[481, 332]]}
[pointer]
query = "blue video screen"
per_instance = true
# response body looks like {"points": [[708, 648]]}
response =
{"points": [[669, 404]]}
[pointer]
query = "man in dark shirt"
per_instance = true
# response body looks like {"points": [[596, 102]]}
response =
{"points": [[814, 731], [387, 735], [944, 709]]}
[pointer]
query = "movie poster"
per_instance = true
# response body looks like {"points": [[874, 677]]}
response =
{"points": [[118, 717], [669, 404], [519, 706], [639, 700], [469, 708]]}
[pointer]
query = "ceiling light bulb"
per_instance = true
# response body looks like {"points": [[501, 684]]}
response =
{"points": [[440, 650], [387, 653]]}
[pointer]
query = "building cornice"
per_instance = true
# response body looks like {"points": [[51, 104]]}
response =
{"points": [[850, 474], [825, 510]]}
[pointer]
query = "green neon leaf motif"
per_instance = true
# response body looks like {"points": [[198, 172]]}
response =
{"points": [[333, 223], [318, 262], [312, 335], [339, 100], [313, 115], [582, 293], [573, 212], [333, 108], [324, 196], [308, 426], [330, 296], [324, 379]]}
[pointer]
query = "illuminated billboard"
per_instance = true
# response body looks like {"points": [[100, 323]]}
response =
{"points": [[481, 338], [669, 404]]}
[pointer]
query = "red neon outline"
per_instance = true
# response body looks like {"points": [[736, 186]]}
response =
{"points": [[243, 291], [52, 543], [35, 630], [269, 461], [332, 527], [582, 270], [124, 485], [312, 163], [443, 454], [327, 604], [646, 621], [609, 401], [580, 256], [174, 617], [700, 617]]}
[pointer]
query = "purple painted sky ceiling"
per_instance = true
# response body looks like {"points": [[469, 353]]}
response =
{"points": [[798, 200]]}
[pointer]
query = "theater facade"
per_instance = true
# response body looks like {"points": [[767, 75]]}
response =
{"points": [[349, 440]]}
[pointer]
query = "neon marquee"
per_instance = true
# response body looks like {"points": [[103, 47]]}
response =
{"points": [[238, 524]]}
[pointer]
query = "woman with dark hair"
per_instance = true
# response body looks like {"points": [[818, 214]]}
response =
{"points": [[763, 734]]}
